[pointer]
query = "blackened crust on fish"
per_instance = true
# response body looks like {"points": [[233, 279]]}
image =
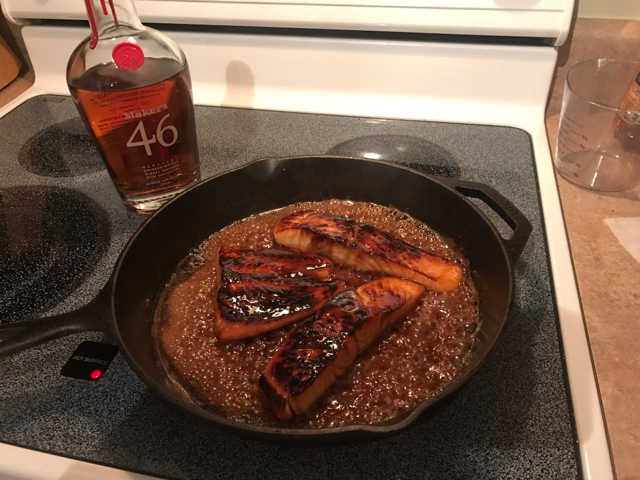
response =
{"points": [[390, 301], [262, 290], [374, 241], [276, 400], [359, 236], [366, 247], [315, 343], [319, 349], [236, 260], [336, 228], [262, 301]]}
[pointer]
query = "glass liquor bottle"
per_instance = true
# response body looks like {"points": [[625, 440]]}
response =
{"points": [[132, 88], [627, 125]]}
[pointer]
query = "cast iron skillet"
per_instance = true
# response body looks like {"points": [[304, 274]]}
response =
{"points": [[125, 307]]}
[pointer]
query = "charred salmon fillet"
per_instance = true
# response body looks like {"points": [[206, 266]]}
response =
{"points": [[262, 290], [319, 349], [365, 247]]}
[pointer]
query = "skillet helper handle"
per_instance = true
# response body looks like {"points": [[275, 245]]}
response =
{"points": [[22, 335], [508, 212]]}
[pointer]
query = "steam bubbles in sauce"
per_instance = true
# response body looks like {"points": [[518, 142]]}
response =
{"points": [[409, 363]]}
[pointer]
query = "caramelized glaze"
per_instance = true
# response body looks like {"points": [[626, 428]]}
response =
{"points": [[407, 364]]}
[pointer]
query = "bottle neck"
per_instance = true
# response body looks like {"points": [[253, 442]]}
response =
{"points": [[107, 15]]}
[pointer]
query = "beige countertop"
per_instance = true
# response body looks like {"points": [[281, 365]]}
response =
{"points": [[608, 276], [609, 286]]}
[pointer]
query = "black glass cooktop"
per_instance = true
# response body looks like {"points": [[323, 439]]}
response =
{"points": [[51, 239], [62, 227]]}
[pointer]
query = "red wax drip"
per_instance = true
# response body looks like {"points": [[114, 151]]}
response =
{"points": [[92, 19], [92, 23], [113, 12]]}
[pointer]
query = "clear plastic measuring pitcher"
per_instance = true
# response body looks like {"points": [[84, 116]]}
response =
{"points": [[599, 143]]}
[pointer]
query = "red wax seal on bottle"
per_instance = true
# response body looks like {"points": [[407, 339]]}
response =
{"points": [[128, 56]]}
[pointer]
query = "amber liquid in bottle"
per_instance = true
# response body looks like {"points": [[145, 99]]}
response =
{"points": [[627, 125], [145, 132]]}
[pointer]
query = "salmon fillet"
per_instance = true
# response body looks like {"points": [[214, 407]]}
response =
{"points": [[262, 290], [365, 247], [319, 349]]}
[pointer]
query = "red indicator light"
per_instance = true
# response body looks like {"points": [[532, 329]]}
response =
{"points": [[96, 374]]}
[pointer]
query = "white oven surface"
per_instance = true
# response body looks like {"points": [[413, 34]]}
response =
{"points": [[540, 18]]}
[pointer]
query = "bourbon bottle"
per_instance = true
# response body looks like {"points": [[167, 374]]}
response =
{"points": [[627, 125], [132, 88]]}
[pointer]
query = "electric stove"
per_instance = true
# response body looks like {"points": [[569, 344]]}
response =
{"points": [[427, 94]]}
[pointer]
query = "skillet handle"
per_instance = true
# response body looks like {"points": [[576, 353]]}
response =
{"points": [[503, 207], [22, 335]]}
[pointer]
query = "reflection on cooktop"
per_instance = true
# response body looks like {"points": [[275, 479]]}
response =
{"points": [[51, 239], [61, 150], [412, 152]]}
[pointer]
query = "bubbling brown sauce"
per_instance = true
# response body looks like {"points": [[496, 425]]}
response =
{"points": [[407, 364]]}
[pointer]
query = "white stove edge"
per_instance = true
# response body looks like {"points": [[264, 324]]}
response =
{"points": [[481, 84]]}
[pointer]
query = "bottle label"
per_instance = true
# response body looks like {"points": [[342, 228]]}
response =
{"points": [[111, 110], [146, 135]]}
